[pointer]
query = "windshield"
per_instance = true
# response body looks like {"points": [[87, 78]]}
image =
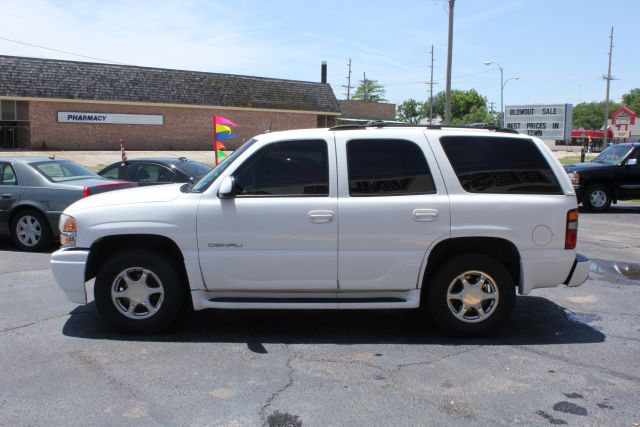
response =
{"points": [[613, 155], [62, 170], [193, 168], [208, 179]]}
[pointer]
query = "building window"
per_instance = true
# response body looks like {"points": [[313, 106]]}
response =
{"points": [[14, 110]]}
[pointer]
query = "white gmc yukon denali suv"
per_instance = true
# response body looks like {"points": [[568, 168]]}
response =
{"points": [[351, 217]]}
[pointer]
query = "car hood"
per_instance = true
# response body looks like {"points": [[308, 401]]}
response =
{"points": [[150, 194], [578, 167]]}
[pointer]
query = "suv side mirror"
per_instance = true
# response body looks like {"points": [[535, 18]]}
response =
{"points": [[227, 188], [632, 162]]}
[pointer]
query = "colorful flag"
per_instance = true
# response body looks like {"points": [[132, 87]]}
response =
{"points": [[123, 153], [223, 136], [221, 132], [223, 121], [222, 128]]}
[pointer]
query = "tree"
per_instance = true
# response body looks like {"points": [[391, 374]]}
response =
{"points": [[369, 90], [477, 114], [631, 100], [462, 104], [590, 115], [410, 111]]}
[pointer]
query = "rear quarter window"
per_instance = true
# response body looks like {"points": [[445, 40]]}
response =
{"points": [[500, 165]]}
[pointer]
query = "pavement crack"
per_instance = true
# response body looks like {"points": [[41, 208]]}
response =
{"points": [[274, 396], [14, 328], [24, 271], [576, 362], [430, 362]]}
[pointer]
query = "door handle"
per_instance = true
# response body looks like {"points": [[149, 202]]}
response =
{"points": [[8, 196], [425, 215], [320, 217]]}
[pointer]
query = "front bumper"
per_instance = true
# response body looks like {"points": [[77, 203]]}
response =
{"points": [[579, 272], [68, 266]]}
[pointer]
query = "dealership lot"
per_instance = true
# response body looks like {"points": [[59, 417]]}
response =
{"points": [[568, 356]]}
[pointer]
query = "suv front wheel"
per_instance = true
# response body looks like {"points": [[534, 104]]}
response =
{"points": [[470, 294], [139, 291]]}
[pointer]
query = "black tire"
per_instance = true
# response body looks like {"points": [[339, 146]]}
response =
{"points": [[162, 274], [596, 198], [491, 313], [30, 231]]}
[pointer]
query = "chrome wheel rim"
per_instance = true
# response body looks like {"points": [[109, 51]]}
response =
{"points": [[29, 230], [598, 198], [137, 293], [472, 296]]}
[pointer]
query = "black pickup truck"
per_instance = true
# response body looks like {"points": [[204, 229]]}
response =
{"points": [[613, 175]]}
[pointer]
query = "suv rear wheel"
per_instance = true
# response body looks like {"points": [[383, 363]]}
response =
{"points": [[139, 291], [470, 294], [596, 198]]}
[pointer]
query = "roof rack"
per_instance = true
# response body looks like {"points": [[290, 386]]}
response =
{"points": [[382, 123]]}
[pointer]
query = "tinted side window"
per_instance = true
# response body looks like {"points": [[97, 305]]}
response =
{"points": [[118, 171], [7, 175], [500, 165], [286, 168], [150, 172], [387, 167]]}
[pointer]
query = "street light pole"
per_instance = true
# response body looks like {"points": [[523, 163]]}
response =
{"points": [[501, 90], [503, 83]]}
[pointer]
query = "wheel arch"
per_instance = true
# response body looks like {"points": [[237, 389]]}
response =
{"points": [[163, 245], [15, 210], [501, 249]]}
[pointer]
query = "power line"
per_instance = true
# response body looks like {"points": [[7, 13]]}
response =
{"points": [[61, 51], [422, 82]]}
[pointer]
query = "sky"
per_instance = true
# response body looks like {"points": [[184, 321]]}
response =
{"points": [[558, 49]]}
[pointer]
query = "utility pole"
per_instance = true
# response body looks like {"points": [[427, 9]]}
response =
{"points": [[431, 90], [365, 95], [491, 104], [447, 96], [608, 78], [348, 86]]}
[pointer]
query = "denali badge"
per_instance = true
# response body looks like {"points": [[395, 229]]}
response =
{"points": [[225, 245]]}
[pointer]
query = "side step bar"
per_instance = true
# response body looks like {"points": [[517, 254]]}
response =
{"points": [[307, 300]]}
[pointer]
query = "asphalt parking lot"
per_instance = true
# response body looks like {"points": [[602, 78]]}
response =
{"points": [[568, 356]]}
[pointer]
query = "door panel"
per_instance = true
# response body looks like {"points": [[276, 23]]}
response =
{"points": [[384, 236], [272, 236], [10, 193]]}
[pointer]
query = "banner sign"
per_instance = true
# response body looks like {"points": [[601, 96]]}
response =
{"points": [[550, 122], [119, 119]]}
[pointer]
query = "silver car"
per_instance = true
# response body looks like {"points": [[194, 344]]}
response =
{"points": [[35, 190]]}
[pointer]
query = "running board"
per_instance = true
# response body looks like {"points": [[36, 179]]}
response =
{"points": [[305, 300]]}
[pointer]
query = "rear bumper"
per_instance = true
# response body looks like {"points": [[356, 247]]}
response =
{"points": [[68, 266], [579, 272]]}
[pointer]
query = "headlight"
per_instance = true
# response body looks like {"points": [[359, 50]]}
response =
{"points": [[575, 178], [68, 230]]}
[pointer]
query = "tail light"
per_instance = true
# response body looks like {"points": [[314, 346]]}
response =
{"points": [[86, 191], [571, 237]]}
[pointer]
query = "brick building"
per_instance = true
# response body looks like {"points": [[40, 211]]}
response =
{"points": [[363, 111], [69, 105]]}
